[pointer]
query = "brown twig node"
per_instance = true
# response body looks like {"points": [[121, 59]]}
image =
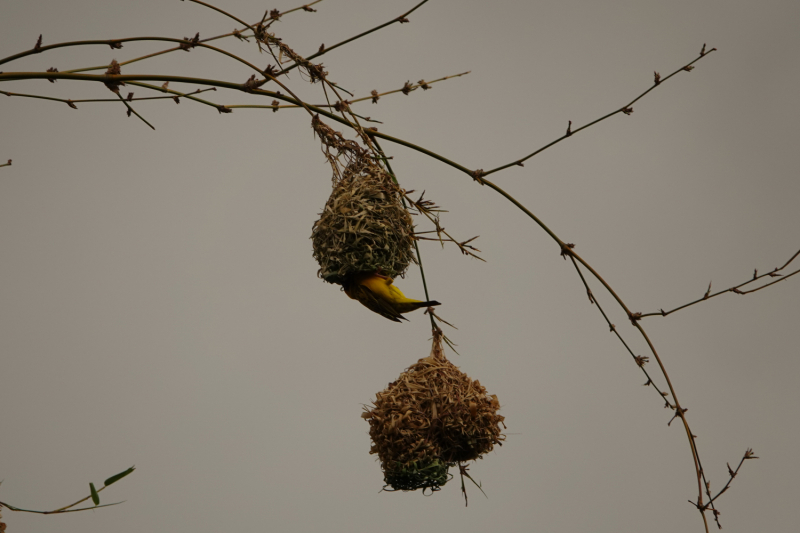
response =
{"points": [[566, 250], [114, 70], [252, 83], [342, 106], [191, 43], [678, 414], [590, 295], [477, 175]]}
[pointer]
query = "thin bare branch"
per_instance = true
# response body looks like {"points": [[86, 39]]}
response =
{"points": [[401, 19], [736, 288], [376, 95], [627, 109], [639, 360]]}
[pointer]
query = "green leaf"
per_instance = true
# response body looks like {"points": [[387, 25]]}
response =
{"points": [[95, 496], [114, 479]]}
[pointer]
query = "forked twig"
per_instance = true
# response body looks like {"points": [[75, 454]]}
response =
{"points": [[737, 288]]}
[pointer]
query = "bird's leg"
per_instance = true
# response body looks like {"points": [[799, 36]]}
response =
{"points": [[378, 274]]}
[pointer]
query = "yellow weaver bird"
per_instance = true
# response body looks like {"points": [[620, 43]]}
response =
{"points": [[377, 293]]}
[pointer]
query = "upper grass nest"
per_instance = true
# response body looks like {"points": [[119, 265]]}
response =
{"points": [[364, 226]]}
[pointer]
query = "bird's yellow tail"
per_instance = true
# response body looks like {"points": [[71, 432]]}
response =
{"points": [[378, 294]]}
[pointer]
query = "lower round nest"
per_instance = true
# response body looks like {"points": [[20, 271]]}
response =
{"points": [[433, 417]]}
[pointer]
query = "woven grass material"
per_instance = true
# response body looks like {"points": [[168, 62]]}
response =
{"points": [[433, 417], [364, 226]]}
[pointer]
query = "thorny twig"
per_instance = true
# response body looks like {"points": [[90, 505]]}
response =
{"points": [[429, 209], [748, 454]]}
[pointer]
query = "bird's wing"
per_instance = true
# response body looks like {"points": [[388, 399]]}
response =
{"points": [[374, 303]]}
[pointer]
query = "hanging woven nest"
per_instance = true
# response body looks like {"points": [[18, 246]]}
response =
{"points": [[363, 227], [432, 418]]}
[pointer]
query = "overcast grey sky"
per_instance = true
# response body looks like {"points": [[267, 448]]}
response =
{"points": [[160, 305]]}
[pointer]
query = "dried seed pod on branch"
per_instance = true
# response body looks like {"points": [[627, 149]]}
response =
{"points": [[431, 418], [364, 226]]}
